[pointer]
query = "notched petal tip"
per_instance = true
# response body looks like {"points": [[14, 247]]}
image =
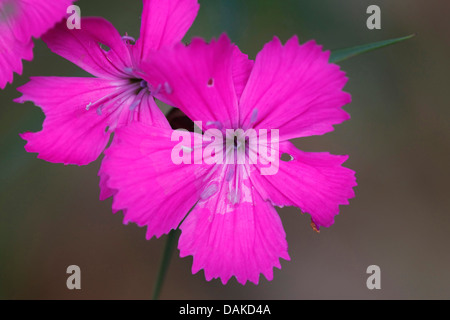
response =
{"points": [[224, 38], [294, 41], [20, 99], [25, 136]]}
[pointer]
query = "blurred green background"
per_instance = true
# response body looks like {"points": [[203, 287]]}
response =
{"points": [[398, 141]]}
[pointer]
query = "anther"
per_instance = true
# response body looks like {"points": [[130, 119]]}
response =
{"points": [[168, 88], [127, 39]]}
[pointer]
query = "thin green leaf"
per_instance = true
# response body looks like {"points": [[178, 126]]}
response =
{"points": [[165, 261], [343, 54]]}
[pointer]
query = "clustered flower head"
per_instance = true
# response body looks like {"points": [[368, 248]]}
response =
{"points": [[220, 182]]}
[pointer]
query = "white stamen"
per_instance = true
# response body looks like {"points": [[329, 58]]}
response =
{"points": [[234, 196], [230, 174], [99, 110], [134, 105], [158, 89], [126, 38], [254, 116], [168, 88], [209, 191], [216, 124]]}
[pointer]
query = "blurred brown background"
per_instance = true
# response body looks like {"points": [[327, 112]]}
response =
{"points": [[398, 141]]}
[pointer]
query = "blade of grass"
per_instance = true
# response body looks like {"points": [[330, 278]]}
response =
{"points": [[165, 261], [343, 54]]}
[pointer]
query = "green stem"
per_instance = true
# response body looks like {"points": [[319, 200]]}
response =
{"points": [[165, 261]]}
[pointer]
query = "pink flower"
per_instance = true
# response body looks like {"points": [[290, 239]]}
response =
{"points": [[81, 113], [20, 20], [234, 229]]}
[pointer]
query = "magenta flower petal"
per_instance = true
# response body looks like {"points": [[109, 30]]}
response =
{"points": [[294, 89], [164, 23], [97, 47], [147, 185], [317, 183], [211, 97], [105, 191], [242, 68], [20, 20], [12, 53], [70, 133], [32, 18], [147, 113], [79, 119], [242, 240]]}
